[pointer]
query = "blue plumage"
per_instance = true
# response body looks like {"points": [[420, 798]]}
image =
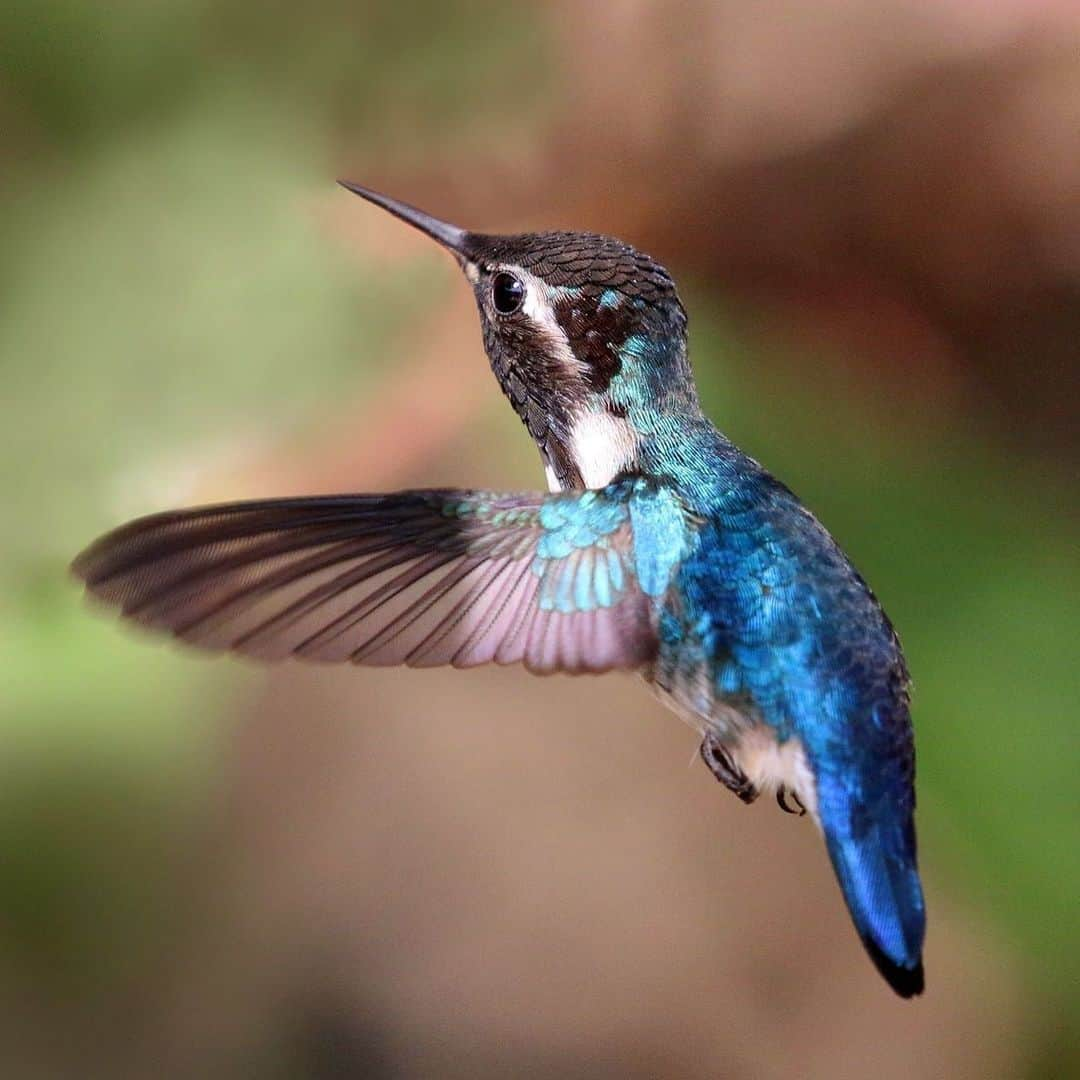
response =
{"points": [[791, 636]]}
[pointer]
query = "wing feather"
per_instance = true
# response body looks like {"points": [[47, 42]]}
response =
{"points": [[422, 578]]}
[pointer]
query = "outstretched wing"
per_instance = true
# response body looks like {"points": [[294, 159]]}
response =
{"points": [[420, 577]]}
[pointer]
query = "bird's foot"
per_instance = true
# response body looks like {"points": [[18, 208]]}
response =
{"points": [[782, 796], [723, 767]]}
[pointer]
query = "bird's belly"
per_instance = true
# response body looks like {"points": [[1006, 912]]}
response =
{"points": [[767, 762], [771, 764]]}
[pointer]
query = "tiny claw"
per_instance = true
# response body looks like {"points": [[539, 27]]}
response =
{"points": [[782, 796], [747, 792], [721, 765]]}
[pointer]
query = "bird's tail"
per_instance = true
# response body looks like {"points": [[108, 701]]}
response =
{"points": [[873, 854]]}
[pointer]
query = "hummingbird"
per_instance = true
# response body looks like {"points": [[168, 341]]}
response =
{"points": [[659, 548]]}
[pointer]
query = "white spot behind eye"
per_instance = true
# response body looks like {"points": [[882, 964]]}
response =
{"points": [[535, 305], [537, 308]]}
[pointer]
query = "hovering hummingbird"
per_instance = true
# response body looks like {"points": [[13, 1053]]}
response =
{"points": [[660, 548]]}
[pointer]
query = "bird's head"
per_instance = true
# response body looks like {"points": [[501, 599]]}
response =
{"points": [[586, 335]]}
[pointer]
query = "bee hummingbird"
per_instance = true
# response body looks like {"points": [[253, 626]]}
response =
{"points": [[660, 548]]}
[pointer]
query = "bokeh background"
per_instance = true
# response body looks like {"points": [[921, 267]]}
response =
{"points": [[207, 869]]}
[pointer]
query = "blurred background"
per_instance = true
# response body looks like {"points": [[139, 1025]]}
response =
{"points": [[207, 869]]}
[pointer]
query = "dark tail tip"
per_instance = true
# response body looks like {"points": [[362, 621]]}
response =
{"points": [[906, 981]]}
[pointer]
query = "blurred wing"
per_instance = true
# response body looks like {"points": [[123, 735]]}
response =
{"points": [[420, 578]]}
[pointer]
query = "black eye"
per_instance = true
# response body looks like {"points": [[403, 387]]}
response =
{"points": [[507, 293]]}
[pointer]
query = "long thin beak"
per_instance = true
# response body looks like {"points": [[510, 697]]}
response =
{"points": [[450, 236]]}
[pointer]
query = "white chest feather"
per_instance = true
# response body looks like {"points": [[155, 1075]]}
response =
{"points": [[602, 446]]}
